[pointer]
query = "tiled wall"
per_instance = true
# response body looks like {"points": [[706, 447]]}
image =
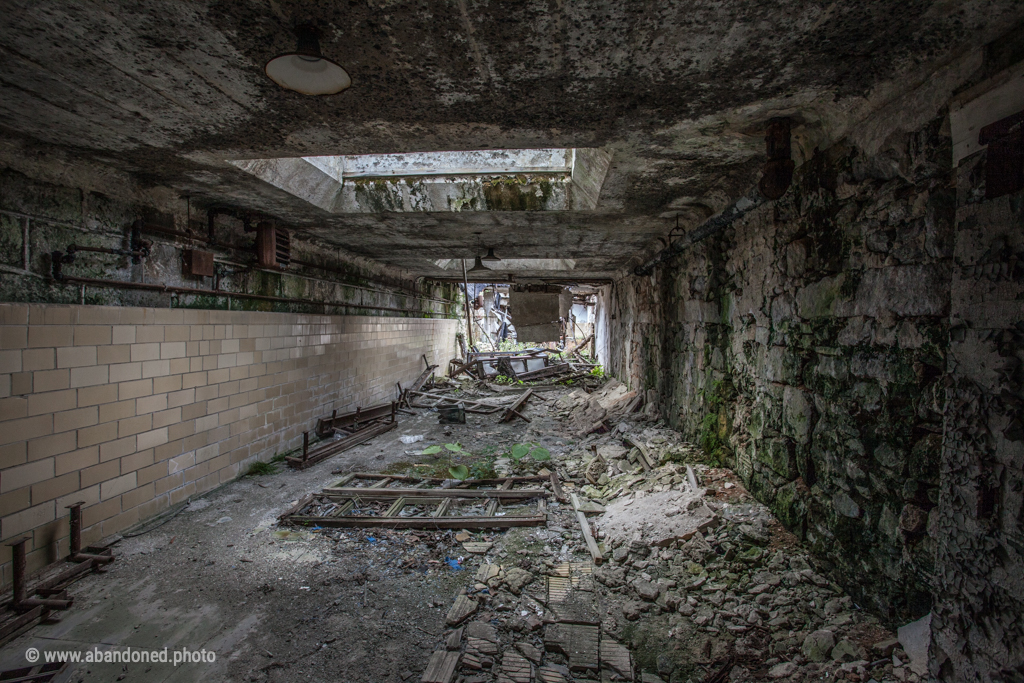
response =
{"points": [[133, 410]]}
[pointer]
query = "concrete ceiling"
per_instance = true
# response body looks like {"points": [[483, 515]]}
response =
{"points": [[676, 92]]}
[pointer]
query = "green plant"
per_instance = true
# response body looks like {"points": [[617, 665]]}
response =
{"points": [[597, 371], [710, 442], [483, 469], [460, 472], [535, 451], [259, 468]]}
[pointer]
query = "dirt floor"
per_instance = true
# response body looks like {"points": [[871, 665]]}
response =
{"points": [[739, 598]]}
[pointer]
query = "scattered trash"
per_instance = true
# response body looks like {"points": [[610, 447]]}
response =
{"points": [[407, 438]]}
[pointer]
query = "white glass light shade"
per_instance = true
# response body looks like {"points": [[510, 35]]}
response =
{"points": [[307, 74]]}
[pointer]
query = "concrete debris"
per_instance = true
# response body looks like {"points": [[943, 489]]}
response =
{"points": [[915, 638], [657, 518], [688, 556]]}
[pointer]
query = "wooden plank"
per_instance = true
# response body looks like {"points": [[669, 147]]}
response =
{"points": [[305, 500], [480, 406], [13, 627], [588, 536], [420, 522], [395, 508], [343, 509], [515, 667], [616, 657], [344, 444], [442, 508], [422, 379], [578, 642], [344, 480], [440, 480], [40, 673], [441, 667], [556, 486], [514, 409], [492, 504], [645, 458], [460, 610], [540, 373], [369, 493]]}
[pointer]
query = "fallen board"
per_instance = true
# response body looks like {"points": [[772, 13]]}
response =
{"points": [[441, 667], [588, 536], [578, 642], [349, 422], [515, 408], [333, 448], [332, 508]]}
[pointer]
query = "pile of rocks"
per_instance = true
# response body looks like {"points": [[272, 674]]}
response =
{"points": [[727, 592]]}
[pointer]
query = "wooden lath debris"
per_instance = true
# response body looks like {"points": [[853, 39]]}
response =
{"points": [[515, 408], [356, 502], [354, 428]]}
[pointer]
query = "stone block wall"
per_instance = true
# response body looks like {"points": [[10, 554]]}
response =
{"points": [[805, 347], [133, 410], [977, 624], [855, 351]]}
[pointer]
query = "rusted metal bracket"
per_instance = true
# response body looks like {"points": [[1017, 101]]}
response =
{"points": [[52, 592]]}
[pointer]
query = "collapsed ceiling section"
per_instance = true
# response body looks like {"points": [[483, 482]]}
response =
{"points": [[482, 180], [629, 118]]}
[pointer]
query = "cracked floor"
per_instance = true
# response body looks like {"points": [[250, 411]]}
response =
{"points": [[735, 598]]}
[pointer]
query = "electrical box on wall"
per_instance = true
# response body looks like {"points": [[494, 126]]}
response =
{"points": [[273, 246], [198, 263]]}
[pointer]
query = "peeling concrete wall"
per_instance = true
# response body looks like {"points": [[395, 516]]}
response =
{"points": [[854, 352], [977, 629], [38, 217], [804, 347]]}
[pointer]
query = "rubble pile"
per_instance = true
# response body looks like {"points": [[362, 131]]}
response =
{"points": [[691, 579]]}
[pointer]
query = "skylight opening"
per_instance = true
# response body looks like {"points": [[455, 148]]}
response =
{"points": [[511, 265], [548, 179], [479, 162]]}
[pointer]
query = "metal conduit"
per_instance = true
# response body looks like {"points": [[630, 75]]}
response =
{"points": [[169, 289], [737, 209]]}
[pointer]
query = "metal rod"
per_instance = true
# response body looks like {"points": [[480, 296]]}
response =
{"points": [[737, 209], [167, 289], [18, 567], [469, 319], [253, 268], [76, 528], [25, 239], [103, 250]]}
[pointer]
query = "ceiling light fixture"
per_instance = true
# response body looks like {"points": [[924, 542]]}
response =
{"points": [[491, 258], [479, 267], [306, 70]]}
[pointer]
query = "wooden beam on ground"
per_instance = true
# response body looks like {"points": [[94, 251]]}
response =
{"points": [[421, 522], [516, 407], [556, 486], [345, 443], [541, 373], [390, 494], [588, 536], [645, 458]]}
